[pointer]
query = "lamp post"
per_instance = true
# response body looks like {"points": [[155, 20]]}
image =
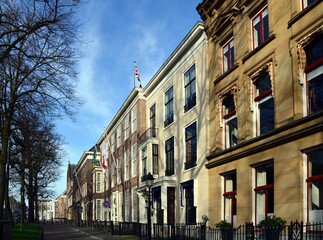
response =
{"points": [[149, 180]]}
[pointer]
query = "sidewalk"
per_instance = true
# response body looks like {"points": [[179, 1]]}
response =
{"points": [[97, 234]]}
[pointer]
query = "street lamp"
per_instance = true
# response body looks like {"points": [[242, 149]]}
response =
{"points": [[149, 180], [79, 213]]}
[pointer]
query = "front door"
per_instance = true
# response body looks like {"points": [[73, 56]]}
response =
{"points": [[171, 205]]}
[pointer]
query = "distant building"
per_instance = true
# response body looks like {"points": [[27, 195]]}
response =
{"points": [[82, 194], [62, 205], [46, 209], [69, 189]]}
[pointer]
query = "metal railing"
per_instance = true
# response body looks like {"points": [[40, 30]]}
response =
{"points": [[293, 231], [149, 133]]}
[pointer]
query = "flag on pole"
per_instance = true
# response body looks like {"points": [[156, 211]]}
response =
{"points": [[104, 160], [137, 75]]}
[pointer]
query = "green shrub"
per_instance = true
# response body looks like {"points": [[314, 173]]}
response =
{"points": [[271, 222], [223, 224]]}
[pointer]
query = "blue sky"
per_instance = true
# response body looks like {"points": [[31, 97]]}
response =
{"points": [[116, 33]]}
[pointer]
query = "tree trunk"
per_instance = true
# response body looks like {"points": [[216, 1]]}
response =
{"points": [[36, 201], [31, 199], [3, 173], [2, 185]]}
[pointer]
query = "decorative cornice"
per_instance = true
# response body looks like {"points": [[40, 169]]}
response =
{"points": [[219, 78], [257, 49], [315, 128], [303, 13]]}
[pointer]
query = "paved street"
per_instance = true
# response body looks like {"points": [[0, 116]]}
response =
{"points": [[68, 232]]}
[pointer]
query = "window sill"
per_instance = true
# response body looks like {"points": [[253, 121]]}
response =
{"points": [[218, 79], [257, 49], [234, 154], [302, 13]]}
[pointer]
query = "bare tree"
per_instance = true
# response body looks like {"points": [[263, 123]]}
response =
{"points": [[39, 159], [37, 60]]}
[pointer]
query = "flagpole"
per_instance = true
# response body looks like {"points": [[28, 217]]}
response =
{"points": [[134, 74]]}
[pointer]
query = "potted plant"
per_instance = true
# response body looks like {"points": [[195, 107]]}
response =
{"points": [[226, 229], [272, 226]]}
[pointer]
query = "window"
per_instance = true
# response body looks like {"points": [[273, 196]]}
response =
{"points": [[134, 119], [144, 161], [228, 55], [169, 107], [134, 204], [152, 118], [169, 152], [155, 158], [264, 101], [190, 88], [112, 142], [126, 127], [314, 73], [315, 186], [126, 164], [134, 160], [119, 136], [229, 195], [260, 27], [306, 3], [98, 182], [191, 146], [113, 170], [118, 171], [127, 207], [107, 178], [230, 122], [98, 209], [264, 191], [120, 207]]}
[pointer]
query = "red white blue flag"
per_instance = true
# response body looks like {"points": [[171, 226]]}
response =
{"points": [[137, 75]]}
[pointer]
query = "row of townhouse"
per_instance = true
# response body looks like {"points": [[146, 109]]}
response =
{"points": [[161, 129], [230, 126]]}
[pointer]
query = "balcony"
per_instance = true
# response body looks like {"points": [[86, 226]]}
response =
{"points": [[169, 171], [149, 134], [190, 164], [169, 119], [190, 102]]}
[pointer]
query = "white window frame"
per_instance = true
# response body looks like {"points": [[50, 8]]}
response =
{"points": [[98, 182], [113, 169], [134, 119], [112, 142], [126, 127], [166, 104], [119, 136], [261, 17], [304, 4], [98, 206], [126, 164], [134, 204], [134, 160], [127, 206], [118, 170], [226, 62], [144, 160]]}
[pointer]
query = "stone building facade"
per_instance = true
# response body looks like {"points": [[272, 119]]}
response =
{"points": [[173, 147], [265, 148]]}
